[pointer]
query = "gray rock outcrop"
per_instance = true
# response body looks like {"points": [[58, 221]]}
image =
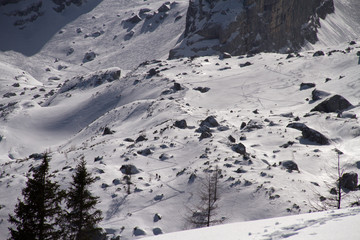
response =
{"points": [[250, 26]]}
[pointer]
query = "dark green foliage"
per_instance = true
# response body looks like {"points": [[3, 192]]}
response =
{"points": [[38, 215], [82, 218]]}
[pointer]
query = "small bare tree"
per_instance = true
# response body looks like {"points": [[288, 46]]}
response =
{"points": [[337, 188], [203, 214]]}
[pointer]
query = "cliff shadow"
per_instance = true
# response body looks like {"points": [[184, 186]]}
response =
{"points": [[28, 34]]}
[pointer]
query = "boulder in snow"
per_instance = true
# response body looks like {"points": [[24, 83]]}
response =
{"points": [[335, 104]]}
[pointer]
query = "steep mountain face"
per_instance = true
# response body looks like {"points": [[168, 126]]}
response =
{"points": [[240, 27]]}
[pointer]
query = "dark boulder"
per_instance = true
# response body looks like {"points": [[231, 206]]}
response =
{"points": [[334, 104], [108, 131], [89, 56], [231, 139], [165, 7], [349, 181], [180, 124], [141, 138], [290, 166], [210, 122], [153, 72], [129, 169], [239, 148], [310, 134], [145, 152], [134, 19], [245, 64], [177, 86], [318, 54], [205, 135], [304, 86], [252, 125], [202, 89]]}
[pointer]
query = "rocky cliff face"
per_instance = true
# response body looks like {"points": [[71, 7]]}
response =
{"points": [[250, 26]]}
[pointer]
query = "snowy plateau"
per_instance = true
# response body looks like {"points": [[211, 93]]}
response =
{"points": [[94, 81]]}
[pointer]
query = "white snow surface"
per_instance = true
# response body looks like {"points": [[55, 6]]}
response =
{"points": [[52, 100], [340, 224]]}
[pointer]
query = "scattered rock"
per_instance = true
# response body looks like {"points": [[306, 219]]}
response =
{"points": [[157, 231], [157, 217], [288, 144], [318, 53], [192, 178], [180, 124], [205, 135], [304, 86], [37, 156], [335, 104], [231, 139], [177, 86], [159, 197], [129, 169], [290, 165], [210, 122], [165, 7], [245, 64], [138, 232], [164, 156], [141, 138], [9, 95], [145, 152], [108, 131], [202, 89], [239, 148], [153, 72], [116, 181], [134, 19], [89, 56], [129, 140], [252, 125], [310, 134]]}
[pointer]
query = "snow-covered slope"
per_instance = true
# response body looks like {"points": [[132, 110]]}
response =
{"points": [[320, 226], [58, 101]]}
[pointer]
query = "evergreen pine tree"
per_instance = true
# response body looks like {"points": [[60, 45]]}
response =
{"points": [[38, 215], [83, 217]]}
